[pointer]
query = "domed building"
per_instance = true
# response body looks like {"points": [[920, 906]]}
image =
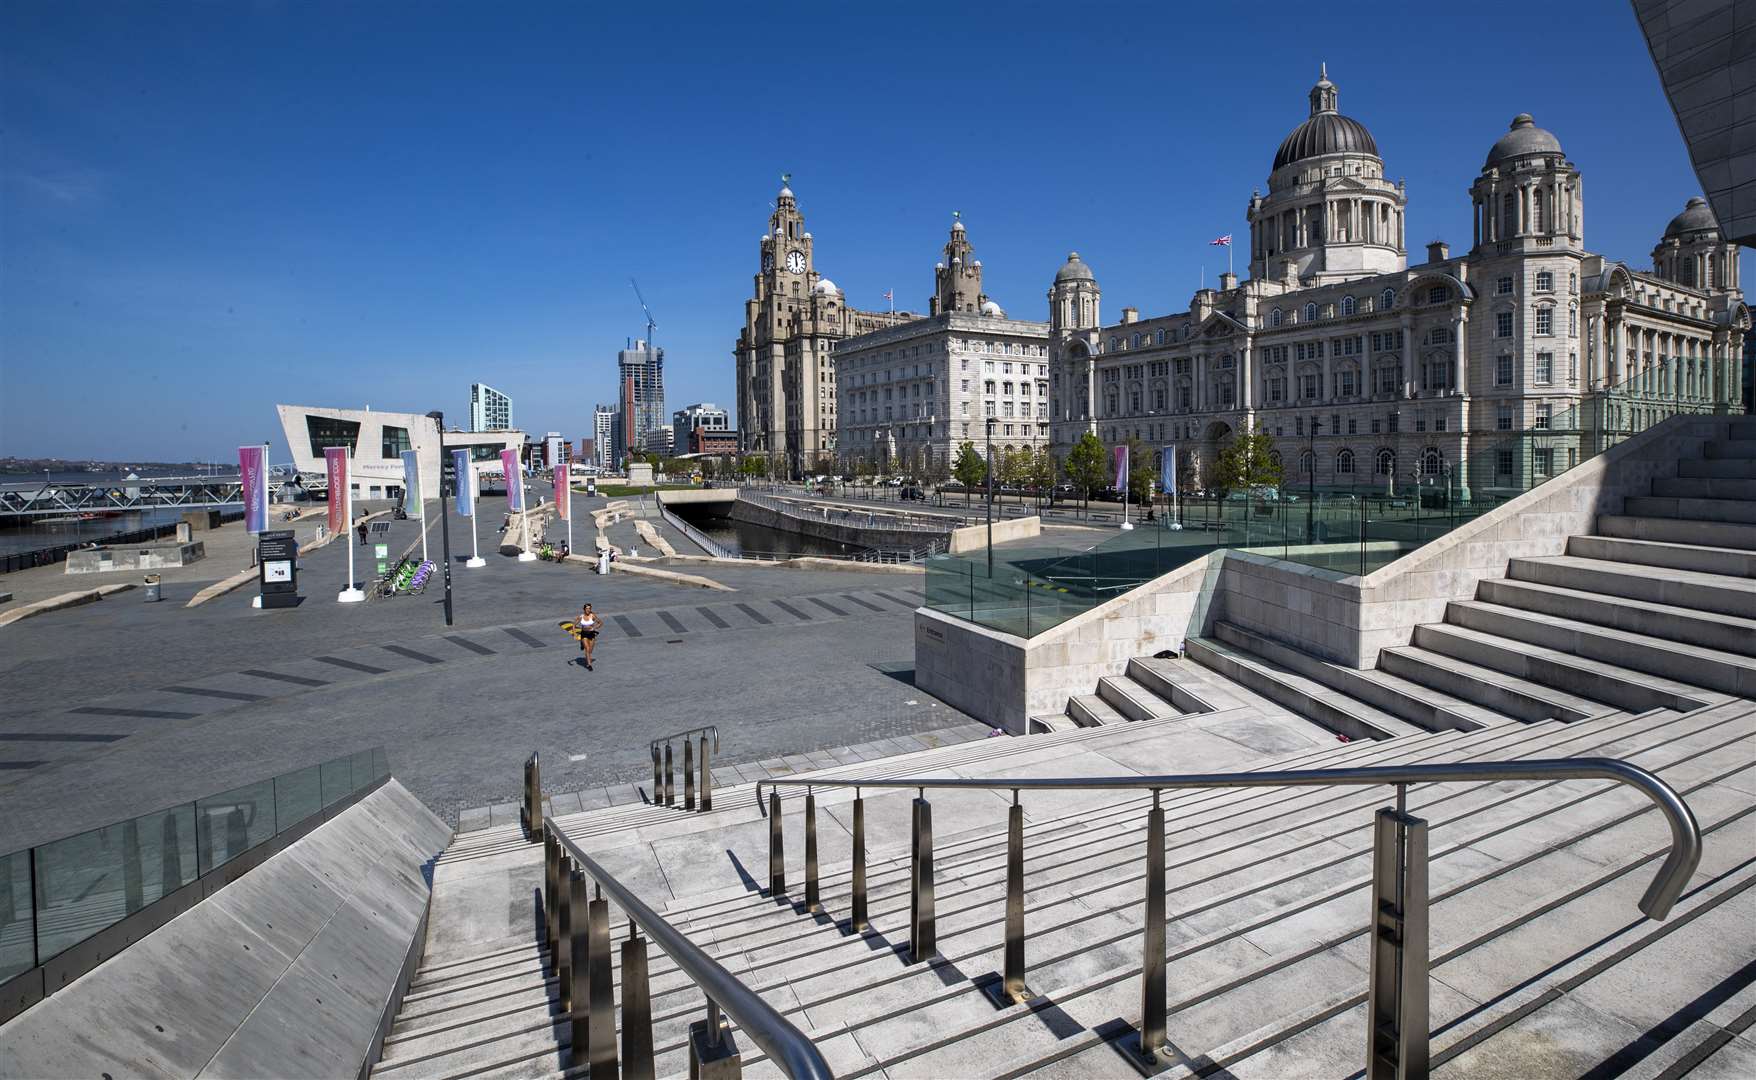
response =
{"points": [[1476, 373], [909, 395]]}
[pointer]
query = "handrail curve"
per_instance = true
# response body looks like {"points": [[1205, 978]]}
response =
{"points": [[784, 1043], [705, 729], [1667, 885]]}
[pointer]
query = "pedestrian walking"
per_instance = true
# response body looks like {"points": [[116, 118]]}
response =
{"points": [[361, 529]]}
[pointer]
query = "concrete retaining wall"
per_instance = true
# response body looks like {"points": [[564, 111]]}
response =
{"points": [[135, 557], [1003, 680], [288, 971], [1349, 619], [858, 533], [975, 537]]}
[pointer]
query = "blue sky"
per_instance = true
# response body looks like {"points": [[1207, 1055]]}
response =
{"points": [[206, 208]]}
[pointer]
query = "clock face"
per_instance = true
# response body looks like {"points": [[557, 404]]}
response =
{"points": [[768, 260], [796, 261]]}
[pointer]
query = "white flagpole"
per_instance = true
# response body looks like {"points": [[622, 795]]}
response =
{"points": [[567, 493], [475, 511], [352, 594], [421, 498]]}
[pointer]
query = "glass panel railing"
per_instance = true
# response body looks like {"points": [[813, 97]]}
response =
{"points": [[58, 894], [1393, 509]]}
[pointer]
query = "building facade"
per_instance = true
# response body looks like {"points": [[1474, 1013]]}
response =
{"points": [[640, 373], [375, 442], [785, 351], [603, 438], [489, 409], [705, 415], [1371, 372], [909, 395]]}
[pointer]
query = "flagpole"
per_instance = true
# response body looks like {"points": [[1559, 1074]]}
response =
{"points": [[475, 498], [352, 594]]}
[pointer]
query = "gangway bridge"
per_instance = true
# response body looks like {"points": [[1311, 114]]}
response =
{"points": [[49, 498]]}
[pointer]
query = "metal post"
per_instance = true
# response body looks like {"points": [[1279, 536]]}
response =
{"points": [[688, 773], [637, 1062], [921, 921], [564, 934], [857, 921], [706, 777], [579, 959], [1396, 1003], [1152, 973], [1013, 985], [777, 862], [670, 779], [600, 997], [658, 780], [444, 514], [990, 426], [713, 1053], [811, 895], [551, 894], [533, 798]]}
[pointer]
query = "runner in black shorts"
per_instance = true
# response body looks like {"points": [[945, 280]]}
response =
{"points": [[589, 625]]}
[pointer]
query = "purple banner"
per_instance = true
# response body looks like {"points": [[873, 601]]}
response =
{"points": [[253, 473], [563, 492], [514, 480], [335, 460], [1120, 454]]}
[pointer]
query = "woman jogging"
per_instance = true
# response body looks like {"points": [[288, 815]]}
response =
{"points": [[588, 625]]}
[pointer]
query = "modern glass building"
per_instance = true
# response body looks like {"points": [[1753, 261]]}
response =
{"points": [[489, 409]]}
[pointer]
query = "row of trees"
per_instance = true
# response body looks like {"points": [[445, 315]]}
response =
{"points": [[1245, 461]]}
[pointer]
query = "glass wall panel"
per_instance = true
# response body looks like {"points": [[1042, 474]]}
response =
{"points": [[327, 431], [232, 822]]}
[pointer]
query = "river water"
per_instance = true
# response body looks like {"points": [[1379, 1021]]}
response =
{"points": [[26, 534]]}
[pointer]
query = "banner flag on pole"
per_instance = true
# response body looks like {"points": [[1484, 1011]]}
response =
{"points": [[514, 480], [412, 497], [1120, 454], [562, 491], [335, 461], [464, 484], [1168, 476], [253, 474]]}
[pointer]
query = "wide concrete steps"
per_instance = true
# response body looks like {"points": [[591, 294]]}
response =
{"points": [[1299, 693], [1724, 534], [1732, 562], [1714, 468], [1721, 594], [1236, 857], [1741, 448], [1739, 511], [1705, 487], [1514, 696], [1627, 654], [1680, 625]]}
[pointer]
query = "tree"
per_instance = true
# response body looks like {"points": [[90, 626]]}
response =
{"points": [[753, 465], [1247, 461], [970, 469], [1087, 465], [1015, 467], [1042, 470]]}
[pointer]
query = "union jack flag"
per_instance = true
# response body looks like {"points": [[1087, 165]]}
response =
{"points": [[890, 294], [1224, 241]]}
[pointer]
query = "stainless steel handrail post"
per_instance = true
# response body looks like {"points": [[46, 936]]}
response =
{"points": [[637, 1060], [670, 778], [811, 894], [532, 811], [551, 894], [1152, 938], [564, 935], [706, 777], [777, 859], [1396, 1002], [578, 948], [688, 773], [1012, 984], [658, 779], [600, 990], [857, 919], [713, 1053], [921, 914]]}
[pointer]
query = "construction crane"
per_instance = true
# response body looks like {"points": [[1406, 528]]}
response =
{"points": [[650, 325]]}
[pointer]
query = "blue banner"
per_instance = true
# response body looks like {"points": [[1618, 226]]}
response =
{"points": [[1168, 477], [464, 483], [411, 483]]}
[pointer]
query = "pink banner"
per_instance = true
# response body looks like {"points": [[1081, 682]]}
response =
{"points": [[1120, 454], [253, 479], [514, 480], [562, 492], [335, 460]]}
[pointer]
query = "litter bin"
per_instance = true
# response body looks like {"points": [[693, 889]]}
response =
{"points": [[152, 588]]}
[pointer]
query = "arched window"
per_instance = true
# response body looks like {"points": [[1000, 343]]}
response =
{"points": [[1274, 317], [1310, 313], [1432, 461], [1161, 336], [1347, 305], [1115, 343], [1386, 463], [1135, 343], [1387, 300], [1344, 463], [1306, 462]]}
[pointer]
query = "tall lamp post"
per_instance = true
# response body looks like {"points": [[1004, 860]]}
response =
{"points": [[990, 427], [1311, 484], [438, 419]]}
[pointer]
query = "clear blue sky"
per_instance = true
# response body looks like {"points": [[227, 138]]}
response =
{"points": [[206, 208]]}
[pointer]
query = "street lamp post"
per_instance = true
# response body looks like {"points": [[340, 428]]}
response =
{"points": [[1311, 484], [438, 419], [990, 427]]}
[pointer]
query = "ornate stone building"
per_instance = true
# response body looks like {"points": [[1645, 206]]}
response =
{"points": [[910, 394], [1369, 371], [785, 362]]}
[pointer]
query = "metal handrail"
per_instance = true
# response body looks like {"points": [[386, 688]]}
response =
{"points": [[1667, 884], [784, 1043], [701, 539], [705, 729]]}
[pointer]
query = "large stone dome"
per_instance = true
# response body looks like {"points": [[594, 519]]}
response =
{"points": [[1696, 217], [1073, 270], [1326, 131], [1524, 139]]}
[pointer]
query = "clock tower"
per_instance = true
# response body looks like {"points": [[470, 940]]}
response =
{"points": [[785, 361]]}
